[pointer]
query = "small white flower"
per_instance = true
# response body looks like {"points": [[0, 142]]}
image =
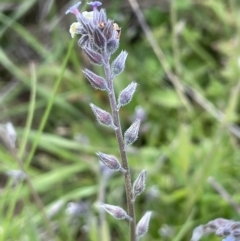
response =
{"points": [[76, 25], [73, 28], [88, 15]]}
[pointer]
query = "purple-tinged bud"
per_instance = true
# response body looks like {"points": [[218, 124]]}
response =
{"points": [[99, 40], [94, 56], [126, 95], [108, 30], [83, 41], [102, 16], [112, 45], [110, 161], [139, 184], [236, 233], [95, 4], [142, 226], [96, 81], [103, 117], [220, 231], [74, 9], [116, 211], [131, 133], [118, 64], [85, 20]]}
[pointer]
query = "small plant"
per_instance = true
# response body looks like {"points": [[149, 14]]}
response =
{"points": [[99, 40], [220, 227]]}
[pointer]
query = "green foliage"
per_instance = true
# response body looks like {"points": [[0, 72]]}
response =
{"points": [[44, 94]]}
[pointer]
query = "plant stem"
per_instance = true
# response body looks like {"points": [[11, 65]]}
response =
{"points": [[119, 136]]}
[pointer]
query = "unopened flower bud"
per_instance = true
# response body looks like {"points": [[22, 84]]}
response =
{"points": [[131, 133], [139, 184], [83, 41], [110, 161], [126, 95], [103, 117], [142, 226], [101, 17], [116, 212], [108, 30], [99, 40], [112, 45], [96, 81], [118, 64], [236, 233], [94, 56]]}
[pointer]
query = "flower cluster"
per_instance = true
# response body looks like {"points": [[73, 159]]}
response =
{"points": [[221, 227], [97, 32], [99, 39]]}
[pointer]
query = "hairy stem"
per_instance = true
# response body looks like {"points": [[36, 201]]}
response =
{"points": [[119, 136]]}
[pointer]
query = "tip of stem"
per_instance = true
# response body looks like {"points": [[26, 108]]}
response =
{"points": [[114, 127], [122, 170], [129, 218]]}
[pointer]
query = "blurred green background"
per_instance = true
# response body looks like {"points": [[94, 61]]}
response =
{"points": [[189, 133]]}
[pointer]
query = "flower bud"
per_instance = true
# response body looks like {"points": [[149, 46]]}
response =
{"points": [[139, 184], [108, 30], [131, 133], [99, 40], [96, 81], [110, 161], [126, 95], [236, 233], [112, 45], [116, 211], [142, 226], [94, 57], [102, 16], [103, 117], [118, 64], [83, 42]]}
